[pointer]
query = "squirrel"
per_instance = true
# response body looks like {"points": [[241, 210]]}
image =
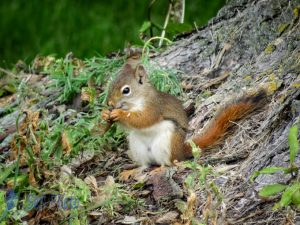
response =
{"points": [[157, 123]]}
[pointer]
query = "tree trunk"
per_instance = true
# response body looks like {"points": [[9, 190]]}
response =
{"points": [[248, 45]]}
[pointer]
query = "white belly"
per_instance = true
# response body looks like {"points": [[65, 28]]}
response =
{"points": [[151, 145]]}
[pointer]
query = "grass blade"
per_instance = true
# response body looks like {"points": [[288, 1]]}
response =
{"points": [[267, 170], [286, 198], [272, 189], [293, 142]]}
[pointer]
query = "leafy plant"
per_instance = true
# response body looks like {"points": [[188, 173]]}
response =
{"points": [[290, 193], [66, 74], [73, 75], [173, 23], [197, 179], [164, 79], [112, 197]]}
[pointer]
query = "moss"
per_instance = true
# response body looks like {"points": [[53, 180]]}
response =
{"points": [[269, 49], [248, 78], [280, 71], [274, 83], [296, 85], [272, 76], [282, 27], [272, 87], [296, 12], [206, 94]]}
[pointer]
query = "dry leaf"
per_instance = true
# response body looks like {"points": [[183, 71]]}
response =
{"points": [[65, 171], [32, 118], [129, 220], [82, 158], [207, 208], [167, 218], [31, 178], [66, 145], [163, 184], [85, 96], [92, 183], [15, 149], [104, 192], [127, 174], [189, 213]]}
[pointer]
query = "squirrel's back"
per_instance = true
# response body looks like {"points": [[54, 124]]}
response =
{"points": [[172, 109]]}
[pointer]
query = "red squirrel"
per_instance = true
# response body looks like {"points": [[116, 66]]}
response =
{"points": [[157, 123]]}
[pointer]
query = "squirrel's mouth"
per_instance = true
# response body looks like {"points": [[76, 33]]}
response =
{"points": [[118, 105], [122, 105]]}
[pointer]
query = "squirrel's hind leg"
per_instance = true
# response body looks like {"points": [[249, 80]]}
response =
{"points": [[177, 146]]}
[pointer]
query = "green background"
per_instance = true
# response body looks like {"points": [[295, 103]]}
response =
{"points": [[85, 27]]}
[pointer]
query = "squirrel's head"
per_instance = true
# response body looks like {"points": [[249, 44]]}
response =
{"points": [[129, 88]]}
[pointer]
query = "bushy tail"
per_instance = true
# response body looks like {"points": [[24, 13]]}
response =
{"points": [[223, 121]]}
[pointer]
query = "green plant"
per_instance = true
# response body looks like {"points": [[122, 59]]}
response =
{"points": [[70, 76], [198, 179], [164, 79], [290, 193], [112, 197], [73, 75]]}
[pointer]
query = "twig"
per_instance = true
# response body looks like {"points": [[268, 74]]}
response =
{"points": [[163, 33], [212, 82], [8, 72], [220, 55]]}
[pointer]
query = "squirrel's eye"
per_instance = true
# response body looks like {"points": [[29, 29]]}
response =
{"points": [[126, 90]]}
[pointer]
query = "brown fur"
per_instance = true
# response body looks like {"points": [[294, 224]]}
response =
{"points": [[177, 145], [159, 106], [224, 119]]}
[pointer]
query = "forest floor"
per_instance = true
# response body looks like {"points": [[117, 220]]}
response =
{"points": [[59, 166]]}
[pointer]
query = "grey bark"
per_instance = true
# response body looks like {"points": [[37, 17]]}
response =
{"points": [[256, 43]]}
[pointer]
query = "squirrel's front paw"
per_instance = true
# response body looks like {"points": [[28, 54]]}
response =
{"points": [[105, 115], [118, 114]]}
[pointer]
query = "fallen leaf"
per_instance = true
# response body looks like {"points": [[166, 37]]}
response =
{"points": [[104, 192], [129, 220], [167, 218], [65, 173], [189, 213], [128, 174], [92, 183], [31, 178], [66, 145]]}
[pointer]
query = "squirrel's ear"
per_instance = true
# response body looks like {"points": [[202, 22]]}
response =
{"points": [[127, 69], [140, 74]]}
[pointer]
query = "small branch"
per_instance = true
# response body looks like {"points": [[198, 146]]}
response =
{"points": [[8, 72], [163, 33], [182, 12], [220, 55]]}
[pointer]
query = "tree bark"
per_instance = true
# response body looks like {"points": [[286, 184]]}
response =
{"points": [[248, 45]]}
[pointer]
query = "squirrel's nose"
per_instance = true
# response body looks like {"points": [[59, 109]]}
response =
{"points": [[111, 104]]}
